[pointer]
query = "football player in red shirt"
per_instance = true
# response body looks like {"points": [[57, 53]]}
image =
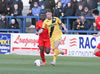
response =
{"points": [[95, 14], [44, 40]]}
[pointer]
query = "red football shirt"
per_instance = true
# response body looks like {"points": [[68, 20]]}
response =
{"points": [[44, 35], [98, 22]]}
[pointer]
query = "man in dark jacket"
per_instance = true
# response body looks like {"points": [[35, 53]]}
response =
{"points": [[81, 24], [79, 10], [2, 6], [68, 10], [75, 6], [86, 12], [58, 11], [92, 4], [8, 11], [10, 3], [16, 11], [83, 3], [31, 2], [50, 4], [85, 25], [3, 22], [20, 4]]}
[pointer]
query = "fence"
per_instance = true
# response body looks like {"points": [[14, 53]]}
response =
{"points": [[23, 24]]}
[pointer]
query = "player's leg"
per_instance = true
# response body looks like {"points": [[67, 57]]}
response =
{"points": [[57, 43], [56, 51], [41, 47], [47, 46], [47, 50], [42, 54], [97, 51]]}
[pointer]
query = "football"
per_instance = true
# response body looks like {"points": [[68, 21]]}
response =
{"points": [[38, 62]]}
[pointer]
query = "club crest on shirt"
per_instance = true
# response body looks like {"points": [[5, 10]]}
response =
{"points": [[53, 22]]}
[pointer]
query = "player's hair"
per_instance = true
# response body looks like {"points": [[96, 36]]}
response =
{"points": [[48, 10], [95, 11]]}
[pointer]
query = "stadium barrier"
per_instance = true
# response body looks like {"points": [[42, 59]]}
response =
{"points": [[10, 30], [23, 24], [27, 44]]}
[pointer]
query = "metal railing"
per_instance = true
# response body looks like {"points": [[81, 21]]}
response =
{"points": [[11, 30], [23, 24]]}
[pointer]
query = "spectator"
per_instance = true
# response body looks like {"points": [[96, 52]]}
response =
{"points": [[35, 12], [30, 13], [10, 3], [3, 22], [84, 25], [75, 6], [41, 2], [8, 11], [65, 2], [86, 12], [20, 5], [36, 9], [31, 20], [79, 10], [16, 11], [98, 7], [68, 10], [50, 4], [81, 24], [83, 3], [94, 27], [31, 2], [59, 10], [43, 10], [92, 4], [77, 24], [2, 6], [14, 24]]}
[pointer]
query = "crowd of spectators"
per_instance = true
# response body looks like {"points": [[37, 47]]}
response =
{"points": [[10, 8], [59, 8], [66, 8]]}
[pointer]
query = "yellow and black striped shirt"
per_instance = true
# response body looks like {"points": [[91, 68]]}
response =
{"points": [[53, 26]]}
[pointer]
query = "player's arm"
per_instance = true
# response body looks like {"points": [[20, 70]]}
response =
{"points": [[59, 21], [40, 31], [43, 27], [37, 28], [64, 27], [96, 35]]}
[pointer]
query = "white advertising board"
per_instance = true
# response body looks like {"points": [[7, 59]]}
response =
{"points": [[72, 45]]}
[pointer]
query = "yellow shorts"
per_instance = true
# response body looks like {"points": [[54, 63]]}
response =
{"points": [[53, 40]]}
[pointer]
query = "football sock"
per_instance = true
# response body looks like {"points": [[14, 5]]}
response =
{"points": [[97, 54], [42, 57], [56, 52]]}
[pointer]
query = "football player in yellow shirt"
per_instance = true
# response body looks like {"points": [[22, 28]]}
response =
{"points": [[55, 33]]}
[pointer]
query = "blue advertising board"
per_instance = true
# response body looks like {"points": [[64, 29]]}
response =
{"points": [[5, 43]]}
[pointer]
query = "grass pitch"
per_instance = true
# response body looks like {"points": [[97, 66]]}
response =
{"points": [[17, 64]]}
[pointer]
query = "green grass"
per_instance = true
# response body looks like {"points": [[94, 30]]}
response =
{"points": [[14, 64]]}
